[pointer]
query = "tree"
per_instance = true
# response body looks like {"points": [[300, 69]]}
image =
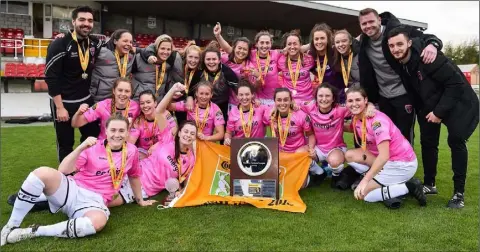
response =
{"points": [[466, 52]]}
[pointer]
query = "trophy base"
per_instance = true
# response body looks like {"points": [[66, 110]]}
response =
{"points": [[255, 188]]}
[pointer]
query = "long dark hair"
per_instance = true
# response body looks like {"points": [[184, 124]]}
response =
{"points": [[116, 35], [279, 90], [231, 56], [333, 89], [177, 137], [328, 31], [294, 33], [142, 115]]}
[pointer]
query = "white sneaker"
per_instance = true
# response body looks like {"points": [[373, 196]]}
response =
{"points": [[6, 230], [20, 234]]}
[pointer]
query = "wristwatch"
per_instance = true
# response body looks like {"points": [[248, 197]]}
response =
{"points": [[434, 43]]}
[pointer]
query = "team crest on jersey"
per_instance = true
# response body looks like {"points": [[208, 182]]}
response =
{"points": [[219, 113], [408, 108], [419, 74], [376, 125], [307, 119], [94, 106], [92, 51]]}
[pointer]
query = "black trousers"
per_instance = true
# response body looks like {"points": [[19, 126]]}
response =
{"points": [[401, 112], [429, 139], [65, 132]]}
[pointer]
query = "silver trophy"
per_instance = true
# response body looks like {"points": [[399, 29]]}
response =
{"points": [[172, 185]]}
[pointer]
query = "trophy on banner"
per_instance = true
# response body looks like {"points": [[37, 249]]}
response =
{"points": [[172, 185], [254, 168]]}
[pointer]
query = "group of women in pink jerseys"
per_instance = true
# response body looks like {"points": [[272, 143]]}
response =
{"points": [[218, 97]]}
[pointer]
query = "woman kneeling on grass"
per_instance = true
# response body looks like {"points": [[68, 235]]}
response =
{"points": [[120, 102], [174, 158], [100, 166], [291, 126], [144, 132], [385, 157]]}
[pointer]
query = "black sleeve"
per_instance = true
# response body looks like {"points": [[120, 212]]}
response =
{"points": [[134, 65], [147, 52], [443, 71], [54, 66], [230, 76], [427, 38]]}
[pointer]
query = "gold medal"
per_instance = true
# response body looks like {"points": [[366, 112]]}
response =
{"points": [[294, 77], [346, 73], [214, 80], [321, 70], [247, 127], [189, 79], [201, 125], [363, 134], [84, 57], [122, 68], [159, 81], [265, 70], [182, 177], [117, 176]]}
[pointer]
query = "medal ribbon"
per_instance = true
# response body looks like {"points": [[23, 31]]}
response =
{"points": [[214, 80], [346, 73], [125, 113], [297, 71], [201, 125], [363, 133], [159, 81], [182, 177], [247, 127], [84, 58], [321, 71], [283, 133], [189, 79], [123, 67], [265, 70], [117, 177]]}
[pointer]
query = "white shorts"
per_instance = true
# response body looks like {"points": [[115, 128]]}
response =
{"points": [[75, 201], [127, 193], [396, 172], [267, 102], [323, 156]]}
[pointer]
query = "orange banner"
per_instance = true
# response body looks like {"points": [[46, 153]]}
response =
{"points": [[209, 182]]}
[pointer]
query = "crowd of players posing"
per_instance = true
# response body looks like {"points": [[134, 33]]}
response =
{"points": [[121, 98]]}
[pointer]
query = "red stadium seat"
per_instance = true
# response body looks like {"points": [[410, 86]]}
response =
{"points": [[9, 47]]}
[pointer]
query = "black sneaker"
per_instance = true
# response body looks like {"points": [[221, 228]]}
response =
{"points": [[39, 206], [457, 201], [316, 180], [333, 182], [430, 190], [415, 188]]}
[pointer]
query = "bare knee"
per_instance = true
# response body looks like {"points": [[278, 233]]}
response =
{"points": [[335, 159], [98, 219], [350, 156], [43, 172]]}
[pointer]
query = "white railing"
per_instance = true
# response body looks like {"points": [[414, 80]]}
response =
{"points": [[39, 46], [15, 45]]}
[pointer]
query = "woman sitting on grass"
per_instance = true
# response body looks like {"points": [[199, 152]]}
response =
{"points": [[101, 166], [173, 159]]}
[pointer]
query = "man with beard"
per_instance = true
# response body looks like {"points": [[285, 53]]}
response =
{"points": [[441, 94], [379, 71], [68, 74]]}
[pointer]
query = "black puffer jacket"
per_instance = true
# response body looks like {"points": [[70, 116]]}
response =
{"points": [[441, 87]]}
